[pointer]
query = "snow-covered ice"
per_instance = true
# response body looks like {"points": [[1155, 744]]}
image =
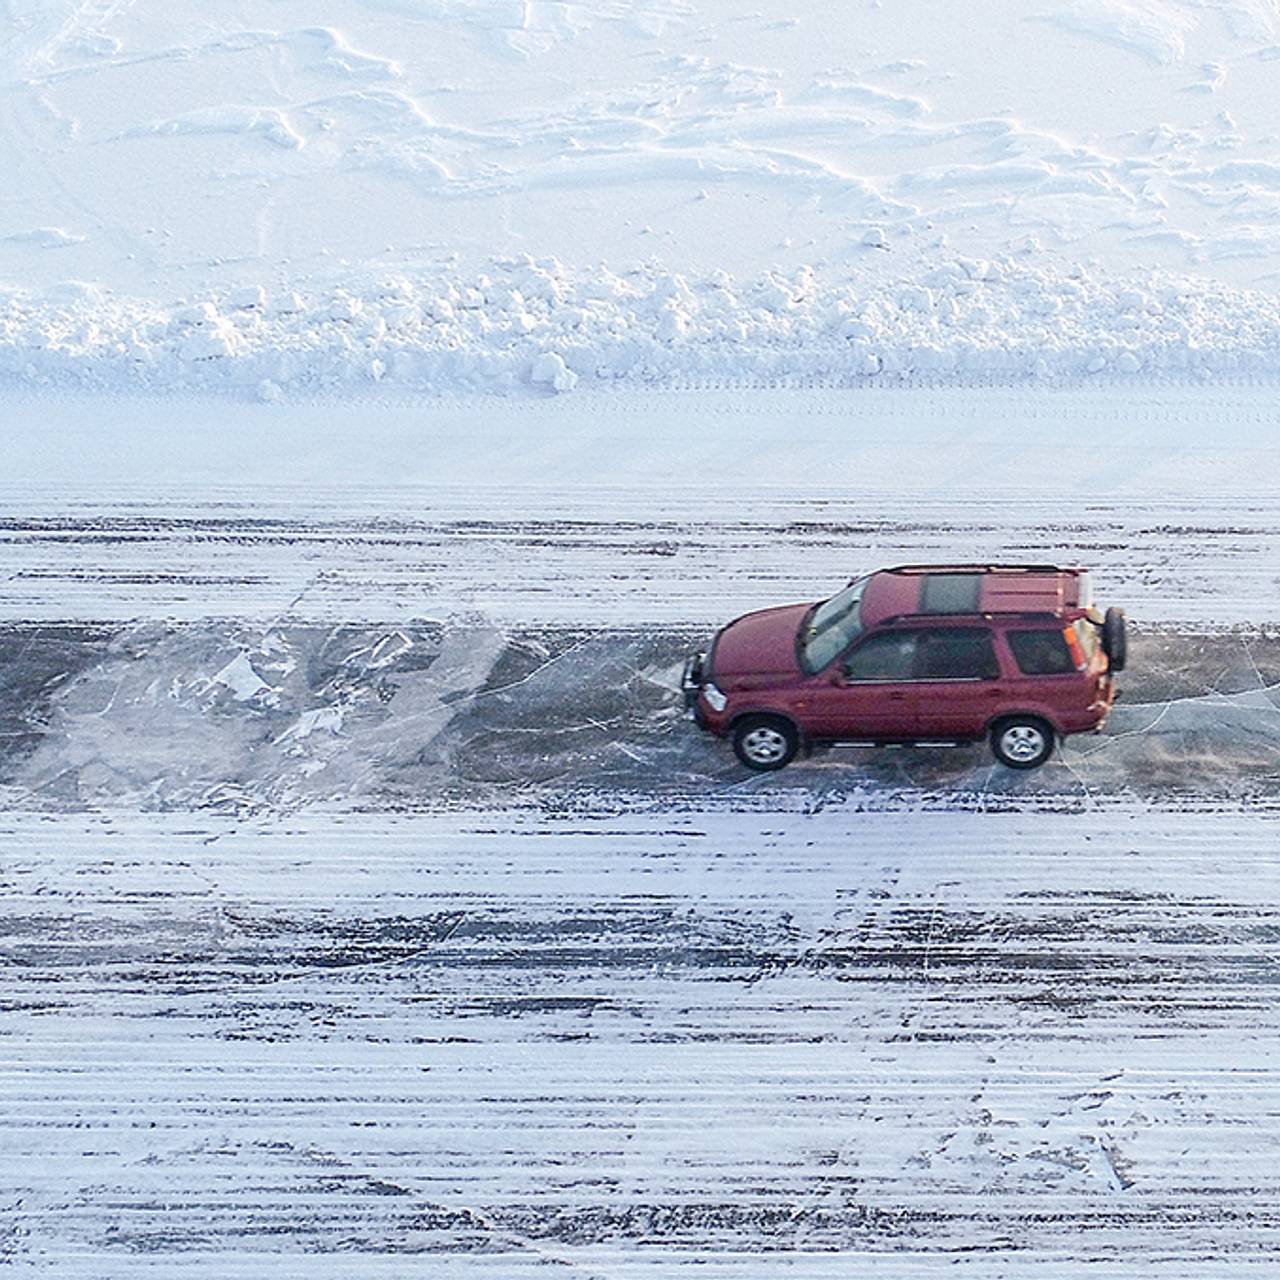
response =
{"points": [[904, 1042]]}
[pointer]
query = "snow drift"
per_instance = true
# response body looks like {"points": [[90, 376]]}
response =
{"points": [[526, 323]]}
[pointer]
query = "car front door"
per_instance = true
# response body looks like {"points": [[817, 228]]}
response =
{"points": [[867, 694], [957, 683]]}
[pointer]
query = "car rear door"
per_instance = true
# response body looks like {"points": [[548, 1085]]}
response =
{"points": [[1058, 669], [957, 685]]}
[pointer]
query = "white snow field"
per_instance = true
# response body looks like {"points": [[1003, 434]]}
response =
{"points": [[508, 194], [391, 393]]}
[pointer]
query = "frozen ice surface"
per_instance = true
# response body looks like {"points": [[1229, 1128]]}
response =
{"points": [[304, 716], [363, 882]]}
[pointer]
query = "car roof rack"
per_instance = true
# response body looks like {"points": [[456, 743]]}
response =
{"points": [[978, 615], [983, 568]]}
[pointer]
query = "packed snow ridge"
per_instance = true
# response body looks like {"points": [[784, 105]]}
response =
{"points": [[538, 326]]}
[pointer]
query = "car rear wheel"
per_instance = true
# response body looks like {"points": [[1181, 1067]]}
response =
{"points": [[1115, 643], [765, 743], [1022, 742]]}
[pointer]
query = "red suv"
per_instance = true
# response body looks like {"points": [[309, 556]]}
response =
{"points": [[929, 655]]}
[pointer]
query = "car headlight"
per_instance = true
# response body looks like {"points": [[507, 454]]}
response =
{"points": [[715, 699]]}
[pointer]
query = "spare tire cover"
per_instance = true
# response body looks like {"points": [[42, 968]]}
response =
{"points": [[1114, 640]]}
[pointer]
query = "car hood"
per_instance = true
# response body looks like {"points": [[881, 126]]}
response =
{"points": [[762, 643]]}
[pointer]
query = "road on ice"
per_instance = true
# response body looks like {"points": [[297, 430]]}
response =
{"points": [[369, 910]]}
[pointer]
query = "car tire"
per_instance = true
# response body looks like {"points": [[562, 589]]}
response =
{"points": [[765, 743], [1022, 742], [1115, 643]]}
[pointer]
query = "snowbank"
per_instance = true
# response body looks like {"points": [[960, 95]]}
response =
{"points": [[526, 324]]}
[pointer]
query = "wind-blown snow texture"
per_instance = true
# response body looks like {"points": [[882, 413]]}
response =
{"points": [[498, 195]]}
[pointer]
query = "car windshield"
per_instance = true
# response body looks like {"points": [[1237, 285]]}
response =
{"points": [[832, 627]]}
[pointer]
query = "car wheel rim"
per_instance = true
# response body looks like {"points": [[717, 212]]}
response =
{"points": [[764, 746], [1022, 742]]}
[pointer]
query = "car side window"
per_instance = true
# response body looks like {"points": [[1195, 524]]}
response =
{"points": [[889, 655], [957, 653], [1041, 653]]}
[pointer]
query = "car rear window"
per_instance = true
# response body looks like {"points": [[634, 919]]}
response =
{"points": [[956, 653], [1041, 653]]}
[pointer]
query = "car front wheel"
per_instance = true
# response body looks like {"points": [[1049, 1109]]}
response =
{"points": [[765, 743], [1022, 742]]}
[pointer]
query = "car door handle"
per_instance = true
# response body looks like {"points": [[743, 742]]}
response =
{"points": [[897, 697]]}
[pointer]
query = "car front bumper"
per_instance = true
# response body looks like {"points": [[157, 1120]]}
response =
{"points": [[691, 684]]}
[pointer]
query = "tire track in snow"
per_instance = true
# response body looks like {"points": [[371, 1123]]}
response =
{"points": [[906, 1041], [610, 558]]}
